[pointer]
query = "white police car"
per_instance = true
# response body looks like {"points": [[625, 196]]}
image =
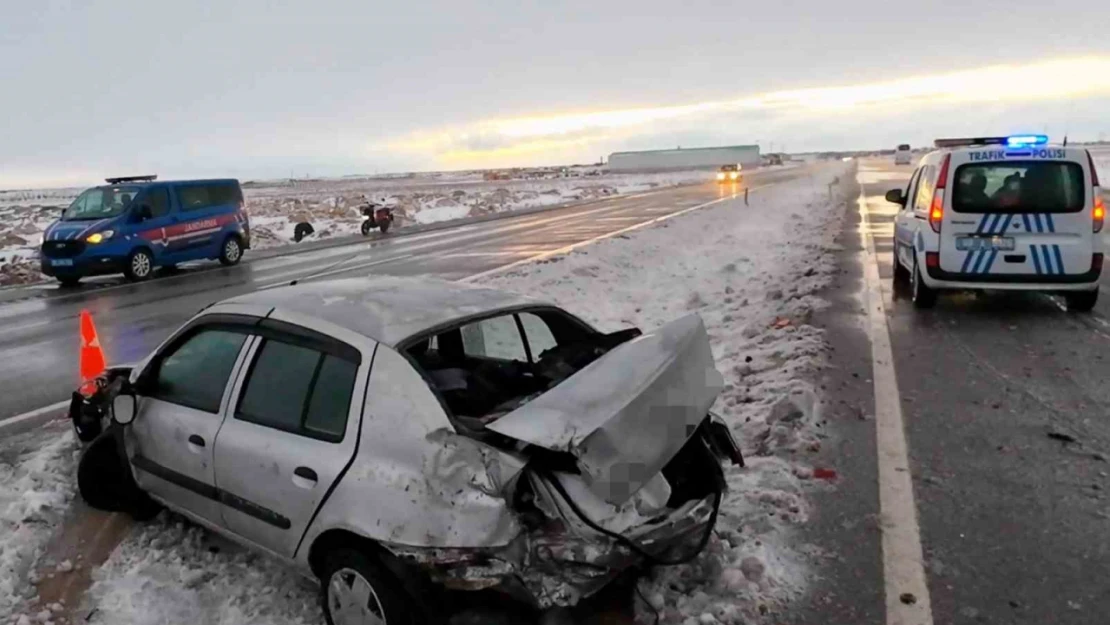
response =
{"points": [[1011, 213]]}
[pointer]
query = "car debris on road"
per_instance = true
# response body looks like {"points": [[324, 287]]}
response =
{"points": [[388, 436]]}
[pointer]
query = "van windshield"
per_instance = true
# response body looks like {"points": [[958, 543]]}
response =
{"points": [[1019, 187], [100, 203]]}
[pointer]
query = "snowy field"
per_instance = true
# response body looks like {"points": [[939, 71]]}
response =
{"points": [[331, 205], [752, 272]]}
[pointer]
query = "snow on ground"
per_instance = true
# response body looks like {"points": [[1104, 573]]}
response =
{"points": [[751, 272], [753, 275], [36, 487]]}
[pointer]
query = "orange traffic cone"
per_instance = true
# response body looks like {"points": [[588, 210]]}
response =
{"points": [[92, 355]]}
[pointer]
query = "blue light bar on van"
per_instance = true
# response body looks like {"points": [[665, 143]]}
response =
{"points": [[1022, 141]]}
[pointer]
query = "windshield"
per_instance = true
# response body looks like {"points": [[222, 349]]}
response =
{"points": [[905, 147], [1019, 187], [100, 203]]}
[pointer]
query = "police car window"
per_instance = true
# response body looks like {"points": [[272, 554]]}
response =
{"points": [[299, 390], [195, 373], [158, 199], [911, 187], [925, 186], [193, 197], [1019, 187]]}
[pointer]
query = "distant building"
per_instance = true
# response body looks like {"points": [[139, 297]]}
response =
{"points": [[692, 158]]}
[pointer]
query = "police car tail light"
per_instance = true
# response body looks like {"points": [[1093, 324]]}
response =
{"points": [[936, 211]]}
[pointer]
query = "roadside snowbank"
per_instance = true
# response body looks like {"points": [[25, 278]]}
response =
{"points": [[752, 273], [36, 487]]}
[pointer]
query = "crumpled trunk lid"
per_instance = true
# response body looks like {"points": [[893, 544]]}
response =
{"points": [[625, 415]]}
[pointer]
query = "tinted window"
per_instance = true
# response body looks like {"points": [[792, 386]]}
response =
{"points": [[497, 338], [299, 390], [540, 338], [1019, 187], [200, 196], [195, 373], [158, 199]]}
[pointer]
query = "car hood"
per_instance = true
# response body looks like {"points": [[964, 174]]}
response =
{"points": [[72, 230], [625, 415]]}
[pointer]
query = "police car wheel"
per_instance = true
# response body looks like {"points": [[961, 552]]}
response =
{"points": [[139, 265], [1081, 301], [923, 296], [231, 252]]}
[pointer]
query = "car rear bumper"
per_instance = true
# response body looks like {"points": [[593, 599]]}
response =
{"points": [[941, 279]]}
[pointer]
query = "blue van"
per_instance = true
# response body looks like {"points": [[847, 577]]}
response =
{"points": [[133, 225]]}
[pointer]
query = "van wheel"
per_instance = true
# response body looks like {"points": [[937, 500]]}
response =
{"points": [[140, 264], [1081, 301], [231, 252], [354, 589], [923, 296]]}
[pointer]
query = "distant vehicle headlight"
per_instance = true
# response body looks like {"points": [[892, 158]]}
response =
{"points": [[720, 175], [100, 236], [734, 175]]}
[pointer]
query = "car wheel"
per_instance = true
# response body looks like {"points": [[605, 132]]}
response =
{"points": [[70, 281], [140, 264], [231, 252], [1081, 301], [105, 483], [923, 296], [355, 590]]}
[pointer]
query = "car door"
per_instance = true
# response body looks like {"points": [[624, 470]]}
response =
{"points": [[183, 395], [905, 224], [153, 219], [291, 432]]}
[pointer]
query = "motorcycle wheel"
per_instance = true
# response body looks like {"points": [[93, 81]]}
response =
{"points": [[384, 227], [366, 226]]}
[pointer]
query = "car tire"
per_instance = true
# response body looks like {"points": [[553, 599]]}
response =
{"points": [[70, 281], [346, 574], [105, 483], [1081, 301], [923, 296], [231, 252], [140, 265]]}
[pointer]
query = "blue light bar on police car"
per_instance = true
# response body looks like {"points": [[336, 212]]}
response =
{"points": [[1022, 141]]}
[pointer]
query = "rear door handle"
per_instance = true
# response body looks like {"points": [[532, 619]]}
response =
{"points": [[305, 477], [196, 443]]}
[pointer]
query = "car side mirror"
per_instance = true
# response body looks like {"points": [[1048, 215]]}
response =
{"points": [[123, 408], [894, 196]]}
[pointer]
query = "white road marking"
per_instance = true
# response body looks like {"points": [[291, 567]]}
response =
{"points": [[903, 562], [313, 276], [34, 417]]}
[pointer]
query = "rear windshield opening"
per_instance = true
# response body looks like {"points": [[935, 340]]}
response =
{"points": [[1019, 187], [905, 147]]}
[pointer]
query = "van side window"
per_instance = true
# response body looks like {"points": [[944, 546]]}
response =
{"points": [[158, 199], [925, 188], [200, 196]]}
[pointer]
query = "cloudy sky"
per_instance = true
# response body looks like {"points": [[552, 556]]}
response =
{"points": [[254, 89]]}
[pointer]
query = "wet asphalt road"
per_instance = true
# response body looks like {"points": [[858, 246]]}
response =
{"points": [[1014, 516], [39, 330]]}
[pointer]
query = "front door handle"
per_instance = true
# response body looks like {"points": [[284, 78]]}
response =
{"points": [[196, 440], [305, 477]]}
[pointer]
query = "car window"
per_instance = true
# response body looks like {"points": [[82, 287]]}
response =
{"points": [[196, 372], [925, 189], [199, 196], [498, 337], [910, 188], [298, 390], [1019, 187], [540, 338], [158, 199]]}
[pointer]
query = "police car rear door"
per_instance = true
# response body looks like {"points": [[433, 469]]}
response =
{"points": [[1017, 209]]}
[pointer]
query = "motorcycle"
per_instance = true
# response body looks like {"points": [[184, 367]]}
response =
{"points": [[377, 216]]}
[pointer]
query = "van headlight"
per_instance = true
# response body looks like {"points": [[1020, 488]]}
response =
{"points": [[97, 237], [720, 176]]}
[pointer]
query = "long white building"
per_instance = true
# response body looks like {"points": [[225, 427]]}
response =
{"points": [[691, 158]]}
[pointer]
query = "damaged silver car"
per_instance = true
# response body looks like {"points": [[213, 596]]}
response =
{"points": [[393, 437]]}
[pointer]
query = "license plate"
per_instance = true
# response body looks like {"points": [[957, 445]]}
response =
{"points": [[62, 262], [975, 244]]}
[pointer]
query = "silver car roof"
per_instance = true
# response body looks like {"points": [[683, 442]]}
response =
{"points": [[387, 309]]}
